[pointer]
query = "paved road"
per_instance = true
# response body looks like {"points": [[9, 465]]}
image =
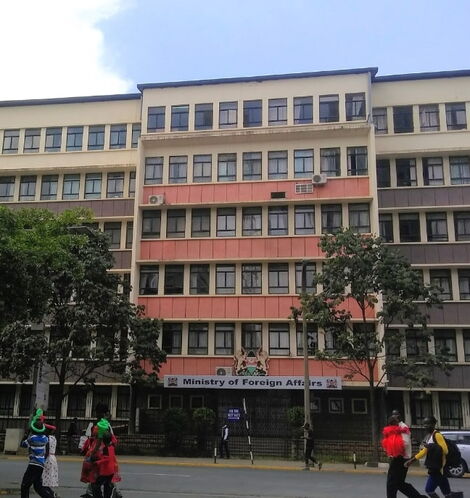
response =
{"points": [[148, 481]]}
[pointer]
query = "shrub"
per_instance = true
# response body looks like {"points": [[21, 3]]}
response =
{"points": [[175, 424], [295, 417]]}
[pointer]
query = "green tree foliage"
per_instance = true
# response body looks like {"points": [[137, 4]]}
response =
{"points": [[295, 417], [175, 424], [203, 421], [64, 282]]}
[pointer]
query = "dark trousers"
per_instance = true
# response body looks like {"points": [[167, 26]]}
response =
{"points": [[33, 477], [435, 480], [223, 448], [396, 480], [104, 481], [309, 455]]}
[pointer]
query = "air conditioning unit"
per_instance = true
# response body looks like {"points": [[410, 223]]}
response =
{"points": [[158, 200], [223, 371], [319, 179]]}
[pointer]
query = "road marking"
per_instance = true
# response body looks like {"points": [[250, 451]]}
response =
{"points": [[151, 474]]}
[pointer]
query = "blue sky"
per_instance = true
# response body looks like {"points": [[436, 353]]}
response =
{"points": [[108, 46]]}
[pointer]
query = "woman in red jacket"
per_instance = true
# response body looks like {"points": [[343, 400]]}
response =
{"points": [[107, 465]]}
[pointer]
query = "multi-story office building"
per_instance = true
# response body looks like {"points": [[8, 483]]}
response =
{"points": [[215, 192]]}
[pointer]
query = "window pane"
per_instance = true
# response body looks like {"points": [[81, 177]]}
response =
{"points": [[357, 161], [48, 187], [252, 165], [228, 114], [433, 171], [179, 117], [71, 187], [442, 280], [172, 334], [383, 173], [251, 223], [225, 279], [355, 106], [459, 170], [197, 338], [251, 279], [278, 220], [202, 168], [359, 218], [226, 222], [7, 188], [386, 227], [53, 139], [224, 335], [201, 223], [456, 116], [303, 163], [310, 270], [252, 113], [115, 187], [113, 231], [176, 223], [277, 109], [329, 108], [379, 117], [227, 167], [178, 169], [462, 225], [277, 164], [74, 138], [153, 170], [199, 279], [303, 110], [151, 224], [27, 188], [436, 225], [429, 117], [156, 119], [332, 218], [31, 140], [409, 227], [403, 119], [312, 339], [203, 116], [279, 343], [118, 136], [96, 137], [174, 275], [304, 220], [406, 172], [330, 161]]}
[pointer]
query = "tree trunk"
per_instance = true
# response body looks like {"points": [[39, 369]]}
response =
{"points": [[58, 406], [132, 408], [373, 420]]}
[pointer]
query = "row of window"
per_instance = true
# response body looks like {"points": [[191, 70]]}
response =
{"points": [[67, 186], [225, 278], [255, 221], [436, 223], [450, 410], [251, 166], [72, 138], [278, 113], [432, 171], [443, 278], [429, 118]]}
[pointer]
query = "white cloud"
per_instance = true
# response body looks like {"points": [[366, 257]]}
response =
{"points": [[54, 48]]}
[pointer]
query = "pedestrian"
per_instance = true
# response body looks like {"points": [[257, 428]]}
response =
{"points": [[435, 449], [106, 463], [309, 447], [72, 431], [37, 443], [224, 441], [397, 446], [50, 475]]}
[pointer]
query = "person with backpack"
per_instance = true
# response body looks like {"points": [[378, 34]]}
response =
{"points": [[435, 450]]}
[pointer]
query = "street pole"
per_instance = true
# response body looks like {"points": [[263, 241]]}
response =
{"points": [[307, 418]]}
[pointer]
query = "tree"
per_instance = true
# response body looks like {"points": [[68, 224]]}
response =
{"points": [[94, 329], [203, 420], [358, 270]]}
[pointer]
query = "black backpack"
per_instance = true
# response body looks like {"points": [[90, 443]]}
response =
{"points": [[454, 457]]}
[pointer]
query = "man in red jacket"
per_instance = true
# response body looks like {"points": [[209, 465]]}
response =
{"points": [[106, 464]]}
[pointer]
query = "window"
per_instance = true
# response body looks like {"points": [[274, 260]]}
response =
{"points": [[304, 220], [7, 188], [76, 402], [456, 117], [406, 172], [10, 141], [176, 223], [403, 119], [49, 186], [393, 341], [444, 341], [203, 117], [379, 117], [225, 279], [386, 227], [421, 407], [179, 117], [335, 405], [303, 163], [224, 334], [226, 222], [278, 220], [277, 112], [252, 113], [199, 279], [31, 140], [202, 168], [53, 139], [310, 270], [201, 222], [118, 136], [136, 130], [357, 161], [132, 184], [228, 114], [312, 339], [429, 117], [129, 234], [466, 344], [251, 278], [7, 401], [93, 186], [251, 221], [172, 335], [278, 278], [148, 282], [277, 164], [442, 280], [252, 165], [27, 188], [331, 218], [330, 162], [196, 402], [74, 138], [156, 119], [153, 170], [71, 187], [96, 137], [113, 231], [409, 227], [416, 343], [459, 170], [154, 401], [450, 409], [464, 284], [197, 338], [303, 110], [279, 341], [151, 224], [433, 172], [174, 278], [359, 406], [329, 108], [462, 225], [175, 401], [355, 106], [359, 218], [115, 186], [251, 336], [227, 168], [436, 225], [178, 169], [383, 173]]}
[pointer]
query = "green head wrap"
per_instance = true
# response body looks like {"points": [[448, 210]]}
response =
{"points": [[103, 427], [37, 417]]}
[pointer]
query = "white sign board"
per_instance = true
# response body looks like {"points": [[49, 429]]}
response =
{"points": [[249, 382]]}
